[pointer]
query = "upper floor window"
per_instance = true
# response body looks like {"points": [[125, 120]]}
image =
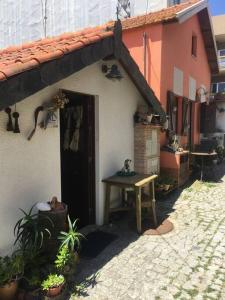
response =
{"points": [[194, 45], [176, 2], [221, 52], [221, 58], [218, 87]]}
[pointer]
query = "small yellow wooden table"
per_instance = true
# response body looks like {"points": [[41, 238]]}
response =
{"points": [[136, 182]]}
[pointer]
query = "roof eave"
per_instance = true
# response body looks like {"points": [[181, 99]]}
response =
{"points": [[190, 11], [208, 35]]}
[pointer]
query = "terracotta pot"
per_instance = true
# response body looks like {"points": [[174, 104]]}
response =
{"points": [[55, 291], [8, 291]]}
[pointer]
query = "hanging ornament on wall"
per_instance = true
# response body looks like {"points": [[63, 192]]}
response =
{"points": [[36, 114], [50, 110], [16, 124], [9, 126]]}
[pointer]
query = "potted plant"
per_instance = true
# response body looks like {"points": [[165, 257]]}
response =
{"points": [[53, 284], [67, 256], [30, 232], [11, 270]]}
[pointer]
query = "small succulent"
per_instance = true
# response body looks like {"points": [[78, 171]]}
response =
{"points": [[62, 259], [53, 280]]}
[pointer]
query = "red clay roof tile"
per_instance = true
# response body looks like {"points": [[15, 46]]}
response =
{"points": [[163, 15], [17, 59]]}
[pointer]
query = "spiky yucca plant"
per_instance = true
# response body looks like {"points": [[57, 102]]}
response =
{"points": [[29, 231], [71, 239]]}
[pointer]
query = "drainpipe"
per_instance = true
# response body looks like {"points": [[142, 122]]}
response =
{"points": [[145, 53]]}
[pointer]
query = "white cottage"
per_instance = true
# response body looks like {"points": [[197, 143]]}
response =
{"points": [[59, 161]]}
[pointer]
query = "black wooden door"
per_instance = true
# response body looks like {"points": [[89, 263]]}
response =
{"points": [[78, 165]]}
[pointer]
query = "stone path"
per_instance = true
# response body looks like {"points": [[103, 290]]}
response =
{"points": [[187, 263]]}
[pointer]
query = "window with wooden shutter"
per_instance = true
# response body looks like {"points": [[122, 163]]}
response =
{"points": [[185, 124], [172, 111]]}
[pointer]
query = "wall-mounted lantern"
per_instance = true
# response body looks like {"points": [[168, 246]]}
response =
{"points": [[111, 72]]}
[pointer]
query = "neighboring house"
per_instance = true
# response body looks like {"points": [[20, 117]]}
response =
{"points": [[26, 20], [217, 106], [143, 6], [36, 170], [176, 52]]}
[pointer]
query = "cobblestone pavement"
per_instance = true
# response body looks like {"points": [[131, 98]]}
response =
{"points": [[187, 263]]}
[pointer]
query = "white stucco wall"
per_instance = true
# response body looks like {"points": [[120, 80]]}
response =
{"points": [[30, 171]]}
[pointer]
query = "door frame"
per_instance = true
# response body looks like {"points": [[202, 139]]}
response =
{"points": [[92, 110]]}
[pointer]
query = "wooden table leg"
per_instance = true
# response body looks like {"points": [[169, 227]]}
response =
{"points": [[138, 208], [107, 203], [153, 203]]}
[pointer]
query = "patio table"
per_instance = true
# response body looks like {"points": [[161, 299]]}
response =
{"points": [[202, 155], [136, 182]]}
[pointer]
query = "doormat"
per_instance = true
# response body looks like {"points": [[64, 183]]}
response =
{"points": [[95, 242]]}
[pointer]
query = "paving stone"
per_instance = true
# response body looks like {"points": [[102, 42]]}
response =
{"points": [[187, 263]]}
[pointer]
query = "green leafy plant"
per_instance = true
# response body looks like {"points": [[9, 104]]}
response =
{"points": [[71, 239], [53, 280], [11, 268], [36, 269], [63, 258], [29, 232]]}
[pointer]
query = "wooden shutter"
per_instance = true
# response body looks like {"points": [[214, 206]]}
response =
{"points": [[184, 116], [170, 105]]}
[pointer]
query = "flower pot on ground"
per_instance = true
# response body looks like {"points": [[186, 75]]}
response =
{"points": [[53, 285], [9, 290], [67, 257], [11, 270], [66, 261]]}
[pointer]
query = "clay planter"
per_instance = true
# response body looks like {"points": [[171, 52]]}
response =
{"points": [[9, 290], [55, 291]]}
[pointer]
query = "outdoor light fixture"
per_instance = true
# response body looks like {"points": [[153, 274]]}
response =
{"points": [[112, 72], [203, 95]]}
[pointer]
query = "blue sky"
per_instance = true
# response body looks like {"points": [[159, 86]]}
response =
{"points": [[217, 7]]}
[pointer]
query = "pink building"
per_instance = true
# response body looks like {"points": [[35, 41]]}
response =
{"points": [[175, 50]]}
